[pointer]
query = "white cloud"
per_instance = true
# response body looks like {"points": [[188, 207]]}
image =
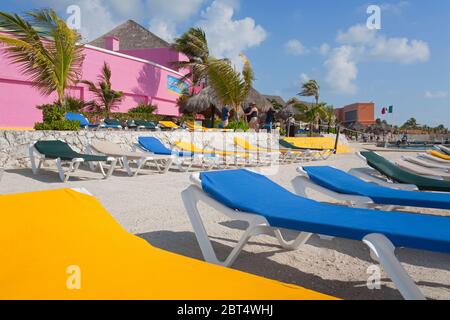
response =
{"points": [[396, 8], [165, 15], [96, 15], [295, 47], [377, 46], [436, 94], [100, 16], [228, 37], [342, 70], [304, 78], [164, 29], [359, 44], [324, 49]]}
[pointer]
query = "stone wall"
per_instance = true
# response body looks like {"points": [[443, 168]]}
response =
{"points": [[14, 145]]}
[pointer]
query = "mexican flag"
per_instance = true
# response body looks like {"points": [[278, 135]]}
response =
{"points": [[389, 109]]}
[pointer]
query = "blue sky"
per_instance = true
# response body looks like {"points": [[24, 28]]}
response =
{"points": [[405, 64]]}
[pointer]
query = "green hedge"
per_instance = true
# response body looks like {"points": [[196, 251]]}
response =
{"points": [[58, 125]]}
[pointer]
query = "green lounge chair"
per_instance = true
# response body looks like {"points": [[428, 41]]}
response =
{"points": [[397, 174], [145, 125], [62, 153], [111, 124]]}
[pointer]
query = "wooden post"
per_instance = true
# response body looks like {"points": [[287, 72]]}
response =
{"points": [[338, 131]]}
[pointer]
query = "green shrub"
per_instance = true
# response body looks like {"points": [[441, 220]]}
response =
{"points": [[58, 125], [143, 108], [238, 125], [52, 112], [72, 104]]}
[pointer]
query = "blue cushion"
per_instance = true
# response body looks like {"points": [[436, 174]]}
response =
{"points": [[155, 146], [342, 182], [253, 193], [77, 117]]}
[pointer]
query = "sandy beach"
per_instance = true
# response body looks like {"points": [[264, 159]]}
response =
{"points": [[150, 206]]}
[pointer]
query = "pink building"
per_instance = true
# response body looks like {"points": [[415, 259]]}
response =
{"points": [[141, 66]]}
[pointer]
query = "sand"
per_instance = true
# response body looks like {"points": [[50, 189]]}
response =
{"points": [[150, 206]]}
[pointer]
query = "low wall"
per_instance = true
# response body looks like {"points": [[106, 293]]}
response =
{"points": [[14, 144]]}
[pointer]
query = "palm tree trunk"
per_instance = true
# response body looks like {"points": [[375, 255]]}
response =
{"points": [[213, 115]]}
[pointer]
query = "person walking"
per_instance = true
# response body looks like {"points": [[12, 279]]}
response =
{"points": [[253, 116], [225, 116]]}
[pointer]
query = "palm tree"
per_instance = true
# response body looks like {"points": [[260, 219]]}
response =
{"points": [[311, 113], [231, 87], [45, 49], [194, 45], [311, 89], [330, 116], [107, 99], [410, 124]]}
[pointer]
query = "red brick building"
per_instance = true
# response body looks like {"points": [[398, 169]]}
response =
{"points": [[357, 113]]}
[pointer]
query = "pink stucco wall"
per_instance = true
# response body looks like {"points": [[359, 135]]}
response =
{"points": [[162, 56], [140, 81]]}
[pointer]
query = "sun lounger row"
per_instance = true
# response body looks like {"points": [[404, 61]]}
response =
{"points": [[275, 209], [150, 151], [113, 124]]}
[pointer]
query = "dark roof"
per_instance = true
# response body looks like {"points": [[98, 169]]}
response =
{"points": [[132, 36], [278, 99]]}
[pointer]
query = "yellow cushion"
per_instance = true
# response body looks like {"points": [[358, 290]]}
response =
{"points": [[318, 143], [43, 234], [439, 154], [190, 147], [169, 124]]}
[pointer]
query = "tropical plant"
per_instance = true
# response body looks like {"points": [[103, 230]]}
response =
{"points": [[329, 116], [231, 86], [276, 105], [143, 108], [309, 113], [107, 99], [311, 89], [411, 124], [72, 104], [194, 45], [45, 49], [54, 119], [239, 125]]}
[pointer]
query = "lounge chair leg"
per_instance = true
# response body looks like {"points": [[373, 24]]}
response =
{"points": [[62, 175], [257, 226], [34, 168], [166, 164], [126, 165], [301, 239], [383, 251], [112, 167]]}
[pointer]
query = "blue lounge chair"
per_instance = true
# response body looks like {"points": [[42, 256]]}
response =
{"points": [[84, 122], [183, 160], [269, 208], [336, 183]]}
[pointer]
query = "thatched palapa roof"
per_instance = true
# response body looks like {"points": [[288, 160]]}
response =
{"points": [[202, 102], [132, 36]]}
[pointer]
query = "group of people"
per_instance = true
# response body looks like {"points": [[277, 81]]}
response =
{"points": [[252, 116]]}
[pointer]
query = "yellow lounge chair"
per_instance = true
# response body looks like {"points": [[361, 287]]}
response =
{"points": [[169, 125], [285, 154], [190, 147], [63, 244], [439, 155], [318, 143], [192, 126]]}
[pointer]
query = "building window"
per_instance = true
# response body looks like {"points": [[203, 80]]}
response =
{"points": [[351, 116]]}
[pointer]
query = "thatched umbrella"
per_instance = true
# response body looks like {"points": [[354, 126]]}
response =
{"points": [[262, 103], [201, 102]]}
